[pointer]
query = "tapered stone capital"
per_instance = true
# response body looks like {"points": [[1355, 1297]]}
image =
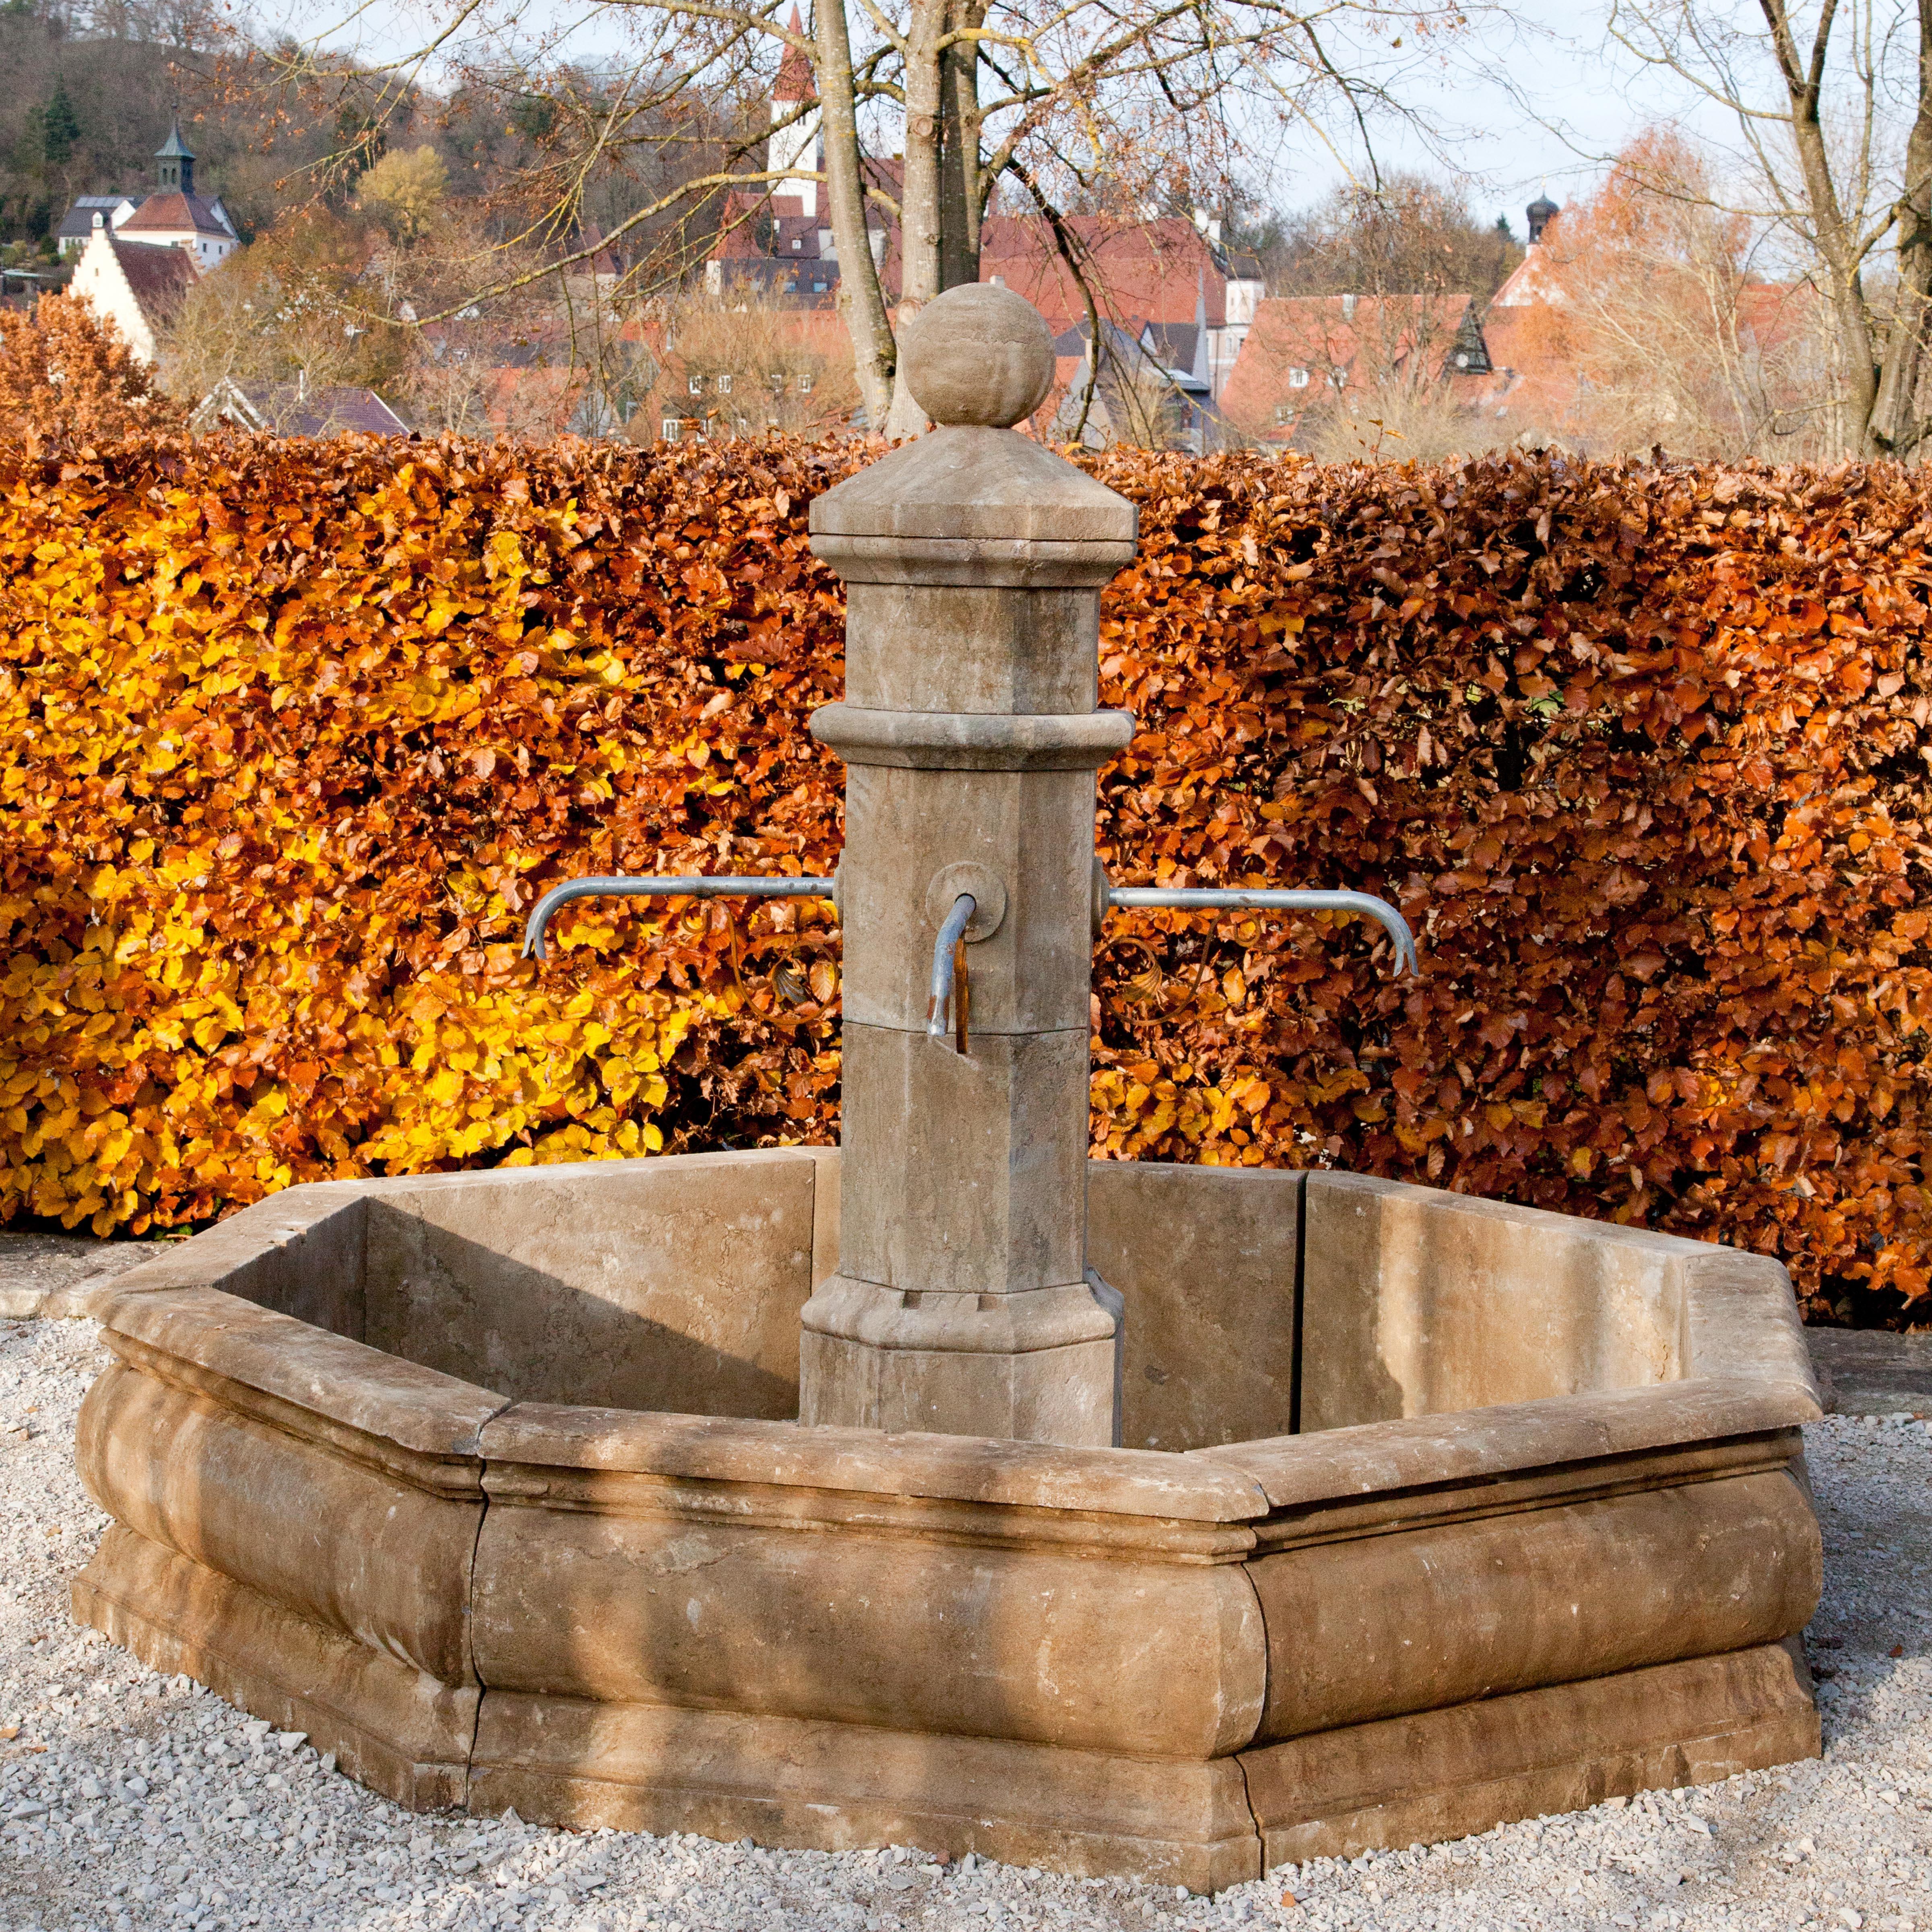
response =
{"points": [[974, 506]]}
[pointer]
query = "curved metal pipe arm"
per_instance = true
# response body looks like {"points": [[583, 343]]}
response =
{"points": [[946, 1007], [1367, 904], [711, 886]]}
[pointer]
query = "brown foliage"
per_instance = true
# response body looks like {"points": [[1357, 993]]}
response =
{"points": [[66, 376], [294, 734]]}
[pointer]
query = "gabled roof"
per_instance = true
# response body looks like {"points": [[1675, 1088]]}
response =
{"points": [[1534, 279], [173, 213], [77, 224], [1157, 271], [159, 276], [281, 407]]}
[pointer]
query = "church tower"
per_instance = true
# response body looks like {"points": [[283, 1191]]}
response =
{"points": [[176, 165], [797, 145]]}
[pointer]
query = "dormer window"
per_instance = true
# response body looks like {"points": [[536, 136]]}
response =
{"points": [[797, 243]]}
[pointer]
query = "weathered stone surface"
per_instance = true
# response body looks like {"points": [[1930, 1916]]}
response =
{"points": [[992, 498], [881, 1477], [1472, 1303], [793, 1782], [1033, 973], [360, 1549], [982, 1195], [978, 354], [1447, 1773], [1207, 1259], [1417, 1618], [664, 1285], [828, 1634], [995, 651], [392, 1727], [971, 738], [621, 1588], [1066, 1394]]}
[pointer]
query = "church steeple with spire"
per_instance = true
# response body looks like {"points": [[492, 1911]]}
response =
{"points": [[796, 146]]}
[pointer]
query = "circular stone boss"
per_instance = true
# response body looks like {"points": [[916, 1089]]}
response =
{"points": [[978, 355]]}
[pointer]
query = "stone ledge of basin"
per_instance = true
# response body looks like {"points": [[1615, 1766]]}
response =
{"points": [[1018, 1322], [260, 1231], [970, 484], [974, 741], [1344, 1516], [1740, 1318], [213, 1342], [1737, 1318], [1510, 1438], [1143, 1483]]}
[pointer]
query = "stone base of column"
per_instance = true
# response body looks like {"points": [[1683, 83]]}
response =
{"points": [[1043, 1366]]}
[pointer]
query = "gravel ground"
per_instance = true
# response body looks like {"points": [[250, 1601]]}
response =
{"points": [[129, 1800]]}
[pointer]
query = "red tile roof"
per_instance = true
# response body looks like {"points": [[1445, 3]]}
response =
{"points": [[1147, 272], [173, 212], [159, 273]]}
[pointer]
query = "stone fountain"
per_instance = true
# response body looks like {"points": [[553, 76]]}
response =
{"points": [[948, 1488]]}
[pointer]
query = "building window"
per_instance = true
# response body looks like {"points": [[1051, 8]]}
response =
{"points": [[797, 243], [1284, 412], [1297, 379], [1462, 358], [724, 386], [778, 381], [696, 385], [670, 426], [818, 288], [804, 385]]}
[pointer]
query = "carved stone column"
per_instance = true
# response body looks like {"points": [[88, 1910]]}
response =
{"points": [[974, 559]]}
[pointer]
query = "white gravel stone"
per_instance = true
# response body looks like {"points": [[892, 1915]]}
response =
{"points": [[129, 1800]]}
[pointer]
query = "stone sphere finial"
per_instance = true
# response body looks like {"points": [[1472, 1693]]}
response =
{"points": [[979, 355]]}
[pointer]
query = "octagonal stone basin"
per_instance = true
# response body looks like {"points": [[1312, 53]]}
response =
{"points": [[1436, 1513]]}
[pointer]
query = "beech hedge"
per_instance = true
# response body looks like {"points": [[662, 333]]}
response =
{"points": [[292, 734]]}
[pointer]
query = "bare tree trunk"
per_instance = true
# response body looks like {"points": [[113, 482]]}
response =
{"points": [[861, 304], [961, 191], [1832, 231], [918, 194], [1898, 423]]}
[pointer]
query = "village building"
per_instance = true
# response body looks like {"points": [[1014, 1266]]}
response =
{"points": [[77, 224], [294, 409], [1308, 359], [136, 285], [1174, 305], [176, 216]]}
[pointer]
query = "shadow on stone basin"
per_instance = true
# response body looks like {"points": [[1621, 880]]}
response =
{"points": [[1439, 1513]]}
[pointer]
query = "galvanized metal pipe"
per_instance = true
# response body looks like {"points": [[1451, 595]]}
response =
{"points": [[1367, 904], [940, 1016], [724, 885]]}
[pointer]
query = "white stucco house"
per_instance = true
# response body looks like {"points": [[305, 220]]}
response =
{"points": [[134, 285]]}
